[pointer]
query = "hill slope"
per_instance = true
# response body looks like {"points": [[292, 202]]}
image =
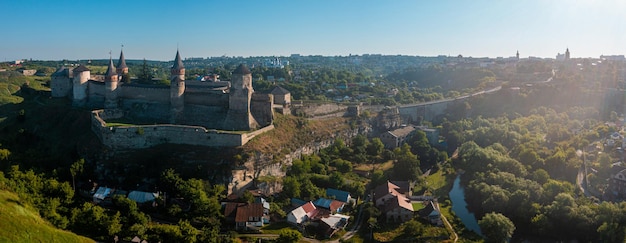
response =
{"points": [[19, 223]]}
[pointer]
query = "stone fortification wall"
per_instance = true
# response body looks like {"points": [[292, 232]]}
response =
{"points": [[134, 137], [142, 110], [312, 110], [208, 99], [206, 116], [147, 93], [60, 86], [261, 108], [96, 92]]}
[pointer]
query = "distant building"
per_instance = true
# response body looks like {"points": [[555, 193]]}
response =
{"points": [[395, 138], [613, 57], [28, 72]]}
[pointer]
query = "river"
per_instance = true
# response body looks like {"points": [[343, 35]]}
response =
{"points": [[459, 206]]}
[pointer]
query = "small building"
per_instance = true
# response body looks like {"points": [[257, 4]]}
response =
{"points": [[102, 194], [332, 206], [617, 182], [250, 217], [395, 138], [339, 195], [431, 213], [28, 72], [391, 199], [302, 214], [246, 216], [142, 197], [330, 225]]}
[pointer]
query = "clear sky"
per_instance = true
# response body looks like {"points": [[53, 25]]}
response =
{"points": [[62, 29]]}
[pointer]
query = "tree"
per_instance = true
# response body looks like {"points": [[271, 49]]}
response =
{"points": [[75, 168], [496, 227], [145, 75], [375, 148], [289, 236]]}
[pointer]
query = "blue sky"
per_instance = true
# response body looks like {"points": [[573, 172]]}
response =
{"points": [[55, 30]]}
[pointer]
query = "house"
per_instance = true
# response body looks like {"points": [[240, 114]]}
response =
{"points": [[302, 214], [245, 216], [332, 206], [338, 195], [389, 190], [250, 217], [391, 199], [398, 209], [142, 197], [102, 193], [230, 211], [431, 213], [330, 225], [395, 138], [617, 182]]}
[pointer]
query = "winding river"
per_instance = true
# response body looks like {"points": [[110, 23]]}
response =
{"points": [[459, 206]]}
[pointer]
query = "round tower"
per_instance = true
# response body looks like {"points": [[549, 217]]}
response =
{"points": [[239, 116], [82, 75], [177, 87], [110, 83]]}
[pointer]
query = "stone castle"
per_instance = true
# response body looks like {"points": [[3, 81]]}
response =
{"points": [[223, 105]]}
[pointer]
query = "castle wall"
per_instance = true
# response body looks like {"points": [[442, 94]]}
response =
{"points": [[60, 86], [134, 137], [320, 109], [261, 108], [147, 93], [95, 93], [207, 99], [96, 88], [206, 116], [145, 110]]}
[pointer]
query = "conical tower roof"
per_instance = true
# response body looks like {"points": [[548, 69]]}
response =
{"points": [[111, 69], [242, 69], [178, 62], [122, 62]]}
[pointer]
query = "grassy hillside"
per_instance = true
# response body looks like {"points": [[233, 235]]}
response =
{"points": [[20, 223]]}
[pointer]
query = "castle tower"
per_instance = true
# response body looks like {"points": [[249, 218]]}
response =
{"points": [[517, 55], [567, 54], [80, 84], [239, 116], [177, 88], [110, 84], [121, 68]]}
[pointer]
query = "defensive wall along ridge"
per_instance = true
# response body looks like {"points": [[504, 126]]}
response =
{"points": [[144, 136]]}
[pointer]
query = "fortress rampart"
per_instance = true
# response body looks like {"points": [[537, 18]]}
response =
{"points": [[144, 136]]}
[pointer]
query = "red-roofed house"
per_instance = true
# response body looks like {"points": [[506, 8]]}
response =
{"points": [[393, 203], [302, 214], [249, 216]]}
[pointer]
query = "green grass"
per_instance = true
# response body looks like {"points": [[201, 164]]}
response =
{"points": [[20, 223], [275, 228], [417, 206]]}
